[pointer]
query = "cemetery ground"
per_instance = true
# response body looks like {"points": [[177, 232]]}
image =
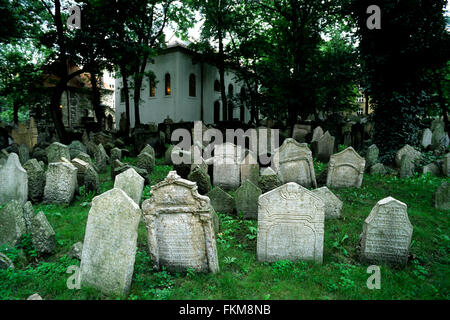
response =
{"points": [[241, 276]]}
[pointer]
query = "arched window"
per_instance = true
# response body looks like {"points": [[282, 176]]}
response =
{"points": [[216, 112], [152, 86], [230, 89], [192, 90], [168, 89], [216, 85]]}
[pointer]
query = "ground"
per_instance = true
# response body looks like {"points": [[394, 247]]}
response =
{"points": [[242, 277]]}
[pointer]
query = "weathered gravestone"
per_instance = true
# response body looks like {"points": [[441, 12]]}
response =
{"points": [[180, 228], [296, 164], [446, 165], [268, 180], [220, 200], [407, 166], [36, 180], [75, 148], [109, 247], [226, 166], [100, 158], [13, 181], [86, 175], [131, 183], [333, 205], [371, 156], [299, 132], [42, 234], [149, 149], [431, 168], [250, 169], [426, 138], [412, 153], [60, 183], [12, 223], [317, 134], [116, 154], [145, 161], [386, 233], [24, 154], [56, 151], [442, 197], [345, 169], [201, 178], [290, 224], [378, 169], [323, 147], [247, 200]]}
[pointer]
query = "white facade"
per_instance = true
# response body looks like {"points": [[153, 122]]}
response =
{"points": [[179, 104]]}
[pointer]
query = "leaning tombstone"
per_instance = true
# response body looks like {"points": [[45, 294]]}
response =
{"points": [[36, 180], [387, 233], [317, 134], [427, 134], [412, 153], [247, 200], [296, 164], [250, 169], [221, 201], [75, 148], [12, 223], [407, 167], [268, 180], [442, 197], [290, 225], [109, 247], [149, 149], [371, 156], [145, 161], [180, 229], [24, 154], [100, 157], [42, 234], [56, 151], [333, 205], [201, 178], [116, 154], [345, 169], [131, 183], [60, 183], [13, 181], [323, 147]]}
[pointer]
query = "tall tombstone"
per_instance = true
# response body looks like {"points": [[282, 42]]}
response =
{"points": [[442, 197], [427, 134], [36, 180], [247, 196], [412, 153], [250, 169], [116, 154], [12, 223], [446, 165], [386, 234], [101, 158], [226, 166], [372, 156], [346, 169], [296, 164], [145, 161], [109, 247], [56, 151], [131, 183], [180, 229], [317, 134], [323, 148], [221, 201], [300, 131], [24, 154], [13, 181], [60, 183], [290, 224]]}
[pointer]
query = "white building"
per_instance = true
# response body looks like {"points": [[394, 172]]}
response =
{"points": [[181, 91]]}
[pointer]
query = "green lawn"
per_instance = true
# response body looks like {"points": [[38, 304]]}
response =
{"points": [[242, 277]]}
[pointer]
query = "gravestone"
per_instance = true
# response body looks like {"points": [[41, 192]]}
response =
{"points": [[168, 155], [250, 169], [333, 205], [371, 156], [406, 167], [145, 161], [75, 148], [438, 136], [296, 164], [247, 200], [345, 169], [12, 223], [86, 175], [100, 158], [56, 151], [226, 166], [24, 154], [149, 149], [426, 138], [268, 180], [387, 233], [299, 133], [116, 154], [42, 234], [431, 168], [446, 165], [221, 201], [412, 153], [317, 134], [180, 229], [442, 197], [201, 178], [378, 169], [131, 183], [60, 183], [13, 181], [323, 147], [36, 180], [109, 247], [290, 225]]}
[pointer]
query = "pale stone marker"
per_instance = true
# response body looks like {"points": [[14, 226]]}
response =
{"points": [[101, 158], [346, 169], [426, 138], [412, 153], [386, 233], [13, 181], [131, 183], [226, 166], [56, 151], [323, 147], [290, 224], [247, 200], [12, 223], [180, 227], [60, 183], [250, 169], [36, 180], [333, 205], [296, 164], [109, 247], [372, 156], [317, 134], [446, 165]]}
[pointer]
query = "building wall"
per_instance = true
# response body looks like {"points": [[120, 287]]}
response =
{"points": [[179, 105]]}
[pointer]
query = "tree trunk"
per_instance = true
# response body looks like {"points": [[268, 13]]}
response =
{"points": [[99, 113], [127, 100], [56, 113], [222, 74], [138, 79], [16, 112]]}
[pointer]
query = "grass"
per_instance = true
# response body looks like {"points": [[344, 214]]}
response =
{"points": [[242, 277]]}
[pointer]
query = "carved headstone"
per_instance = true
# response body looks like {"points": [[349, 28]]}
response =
{"points": [[317, 134], [333, 205], [180, 229], [109, 247], [131, 183], [345, 169], [101, 158], [145, 161], [290, 225], [412, 153], [247, 196], [12, 223], [250, 169], [226, 166], [60, 183], [56, 151], [36, 180], [386, 233], [13, 181], [221, 201]]}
